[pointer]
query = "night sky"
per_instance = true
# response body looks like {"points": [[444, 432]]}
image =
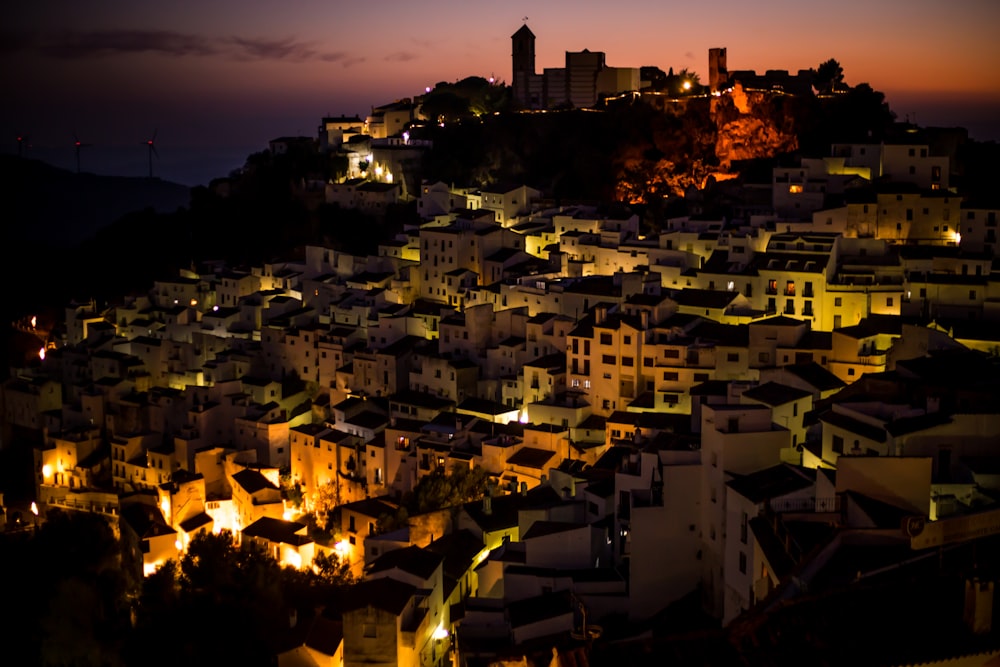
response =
{"points": [[232, 73]]}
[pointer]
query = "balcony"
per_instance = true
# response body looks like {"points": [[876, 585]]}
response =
{"points": [[771, 290], [780, 505]]}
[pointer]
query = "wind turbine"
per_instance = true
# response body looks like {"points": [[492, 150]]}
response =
{"points": [[78, 145], [151, 150]]}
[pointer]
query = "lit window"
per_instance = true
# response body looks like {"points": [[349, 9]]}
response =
{"points": [[794, 189]]}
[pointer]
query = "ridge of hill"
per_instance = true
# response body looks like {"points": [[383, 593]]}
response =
{"points": [[62, 208]]}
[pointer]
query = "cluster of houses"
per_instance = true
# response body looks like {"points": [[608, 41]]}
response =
{"points": [[724, 407]]}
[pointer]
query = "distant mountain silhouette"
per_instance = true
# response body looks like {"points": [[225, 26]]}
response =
{"points": [[61, 208]]}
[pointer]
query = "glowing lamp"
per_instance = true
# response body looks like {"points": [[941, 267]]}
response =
{"points": [[41, 354], [46, 471], [687, 85], [342, 548], [440, 633], [34, 508]]}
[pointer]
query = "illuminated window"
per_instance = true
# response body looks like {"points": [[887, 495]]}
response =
{"points": [[794, 189], [790, 288]]}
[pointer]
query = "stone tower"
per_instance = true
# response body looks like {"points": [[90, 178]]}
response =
{"points": [[718, 74], [523, 59]]}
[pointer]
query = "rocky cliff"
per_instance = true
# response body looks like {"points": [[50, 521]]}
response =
{"points": [[703, 137]]}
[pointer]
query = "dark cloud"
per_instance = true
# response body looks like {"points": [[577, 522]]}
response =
{"points": [[690, 56], [110, 42], [401, 57], [273, 49], [100, 43], [341, 57]]}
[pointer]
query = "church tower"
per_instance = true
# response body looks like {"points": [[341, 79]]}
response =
{"points": [[523, 59]]}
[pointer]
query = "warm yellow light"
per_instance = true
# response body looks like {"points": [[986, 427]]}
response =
{"points": [[440, 633], [46, 471], [388, 177], [294, 559], [378, 170], [41, 354], [34, 508], [343, 548], [194, 302], [795, 189], [687, 85], [165, 506], [178, 545], [34, 321]]}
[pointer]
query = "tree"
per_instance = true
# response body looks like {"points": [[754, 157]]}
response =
{"points": [[324, 501], [440, 490], [65, 596], [828, 77], [331, 570]]}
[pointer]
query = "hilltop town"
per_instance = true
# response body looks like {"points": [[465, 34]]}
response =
{"points": [[530, 429]]}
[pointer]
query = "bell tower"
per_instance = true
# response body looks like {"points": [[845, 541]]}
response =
{"points": [[523, 60]]}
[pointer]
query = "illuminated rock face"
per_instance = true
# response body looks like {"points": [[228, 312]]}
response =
{"points": [[753, 131], [701, 137]]}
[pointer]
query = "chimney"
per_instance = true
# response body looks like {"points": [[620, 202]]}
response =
{"points": [[488, 498], [978, 612]]}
